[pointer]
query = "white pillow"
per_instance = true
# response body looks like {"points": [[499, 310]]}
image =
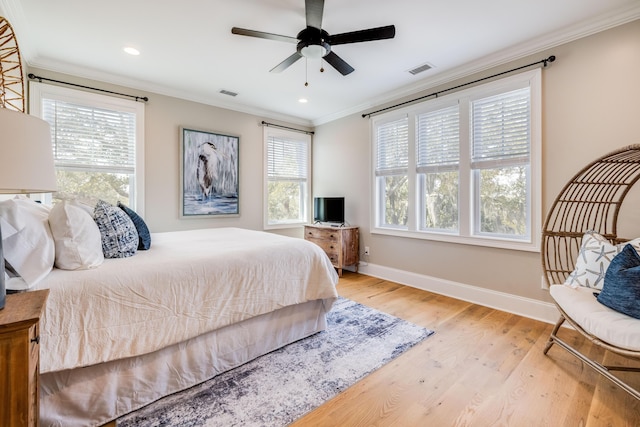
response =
{"points": [[77, 238], [596, 253], [28, 244]]}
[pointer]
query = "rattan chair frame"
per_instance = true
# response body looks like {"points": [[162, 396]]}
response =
{"points": [[11, 75], [590, 201]]}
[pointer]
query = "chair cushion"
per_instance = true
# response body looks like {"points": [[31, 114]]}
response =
{"points": [[621, 290], [597, 319]]}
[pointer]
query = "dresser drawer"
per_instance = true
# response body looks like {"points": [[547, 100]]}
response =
{"points": [[331, 248], [322, 234]]}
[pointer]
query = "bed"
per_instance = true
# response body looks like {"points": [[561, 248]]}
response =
{"points": [[197, 303]]}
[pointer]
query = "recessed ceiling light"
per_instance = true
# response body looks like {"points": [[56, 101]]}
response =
{"points": [[302, 100], [132, 50]]}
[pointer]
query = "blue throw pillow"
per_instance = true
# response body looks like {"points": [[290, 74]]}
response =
{"points": [[119, 235], [621, 290], [141, 226]]}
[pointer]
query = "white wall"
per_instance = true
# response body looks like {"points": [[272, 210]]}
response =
{"points": [[591, 105]]}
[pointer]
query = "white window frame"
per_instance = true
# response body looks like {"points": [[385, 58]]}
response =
{"points": [[305, 198], [466, 234], [39, 91], [394, 171]]}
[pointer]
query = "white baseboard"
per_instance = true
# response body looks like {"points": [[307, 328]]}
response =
{"points": [[527, 307]]}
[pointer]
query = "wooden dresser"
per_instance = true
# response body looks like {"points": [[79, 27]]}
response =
{"points": [[20, 358], [340, 244]]}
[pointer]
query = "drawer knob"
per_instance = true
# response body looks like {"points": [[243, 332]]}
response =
{"points": [[36, 339]]}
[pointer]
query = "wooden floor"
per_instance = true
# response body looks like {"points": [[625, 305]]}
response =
{"points": [[482, 367]]}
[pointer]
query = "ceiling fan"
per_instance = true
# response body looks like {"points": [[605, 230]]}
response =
{"points": [[313, 42]]}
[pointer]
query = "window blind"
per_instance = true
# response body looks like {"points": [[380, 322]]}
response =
{"points": [[287, 159], [501, 129], [91, 138], [393, 147], [438, 134]]}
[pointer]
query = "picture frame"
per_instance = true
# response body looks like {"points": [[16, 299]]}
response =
{"points": [[209, 174]]}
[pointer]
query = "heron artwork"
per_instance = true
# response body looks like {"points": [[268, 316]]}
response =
{"points": [[210, 173]]}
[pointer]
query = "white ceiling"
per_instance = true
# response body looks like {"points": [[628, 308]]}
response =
{"points": [[188, 51]]}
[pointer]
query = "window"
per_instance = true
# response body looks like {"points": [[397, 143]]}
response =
{"points": [[392, 173], [287, 183], [97, 144], [464, 167], [438, 157], [500, 164]]}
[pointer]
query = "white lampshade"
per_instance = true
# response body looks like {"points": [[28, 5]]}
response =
{"points": [[26, 156]]}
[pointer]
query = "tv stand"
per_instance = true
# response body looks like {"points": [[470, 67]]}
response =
{"points": [[339, 243]]}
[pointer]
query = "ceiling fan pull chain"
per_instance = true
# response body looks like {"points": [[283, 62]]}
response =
{"points": [[322, 65], [306, 72]]}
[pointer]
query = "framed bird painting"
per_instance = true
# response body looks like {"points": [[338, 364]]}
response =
{"points": [[209, 174]]}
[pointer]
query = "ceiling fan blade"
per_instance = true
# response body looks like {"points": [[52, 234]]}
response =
{"points": [[314, 10], [263, 35], [338, 63], [286, 63], [371, 34]]}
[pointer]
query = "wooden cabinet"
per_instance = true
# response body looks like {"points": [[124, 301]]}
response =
{"points": [[20, 358], [340, 244]]}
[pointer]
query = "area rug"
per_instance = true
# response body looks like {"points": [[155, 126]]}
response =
{"points": [[280, 387]]}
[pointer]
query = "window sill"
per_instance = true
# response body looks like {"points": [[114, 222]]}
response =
{"points": [[501, 243]]}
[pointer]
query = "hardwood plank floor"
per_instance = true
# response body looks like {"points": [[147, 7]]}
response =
{"points": [[483, 367]]}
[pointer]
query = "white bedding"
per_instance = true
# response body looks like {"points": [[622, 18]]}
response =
{"points": [[188, 283]]}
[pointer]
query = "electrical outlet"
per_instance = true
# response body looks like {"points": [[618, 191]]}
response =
{"points": [[366, 250]]}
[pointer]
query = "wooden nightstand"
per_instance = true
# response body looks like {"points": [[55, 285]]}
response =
{"points": [[20, 358], [340, 244]]}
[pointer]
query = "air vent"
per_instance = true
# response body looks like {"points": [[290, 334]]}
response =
{"points": [[420, 69], [228, 92]]}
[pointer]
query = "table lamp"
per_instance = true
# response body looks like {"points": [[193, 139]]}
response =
{"points": [[26, 164]]}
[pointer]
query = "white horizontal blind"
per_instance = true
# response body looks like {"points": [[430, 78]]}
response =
{"points": [[85, 137], [501, 129], [287, 158], [438, 146], [392, 147]]}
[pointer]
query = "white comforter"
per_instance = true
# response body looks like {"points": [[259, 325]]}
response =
{"points": [[188, 283]]}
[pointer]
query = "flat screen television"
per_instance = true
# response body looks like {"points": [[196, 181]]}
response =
{"points": [[328, 209]]}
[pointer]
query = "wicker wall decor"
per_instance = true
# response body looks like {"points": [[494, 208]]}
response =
{"points": [[11, 77]]}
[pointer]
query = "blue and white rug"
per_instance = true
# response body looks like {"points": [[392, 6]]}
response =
{"points": [[282, 386]]}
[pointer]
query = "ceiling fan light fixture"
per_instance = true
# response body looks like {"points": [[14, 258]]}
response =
{"points": [[314, 51]]}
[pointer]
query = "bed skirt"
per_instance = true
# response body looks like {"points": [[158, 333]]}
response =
{"points": [[95, 395]]}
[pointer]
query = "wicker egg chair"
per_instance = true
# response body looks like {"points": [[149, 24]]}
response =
{"points": [[590, 201]]}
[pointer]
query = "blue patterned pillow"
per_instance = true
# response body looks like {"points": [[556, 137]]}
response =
{"points": [[621, 290], [119, 234], [143, 231]]}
